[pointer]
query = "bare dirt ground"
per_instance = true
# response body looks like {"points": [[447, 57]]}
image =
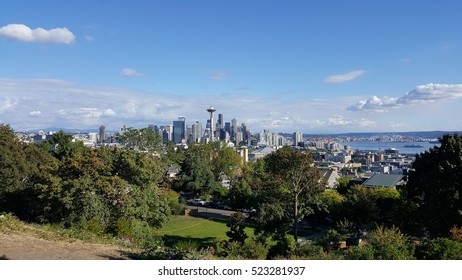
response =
{"points": [[26, 246]]}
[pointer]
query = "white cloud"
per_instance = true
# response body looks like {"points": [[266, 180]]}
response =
{"points": [[341, 78], [109, 113], [419, 95], [432, 92], [35, 113], [374, 104], [129, 72], [24, 33]]}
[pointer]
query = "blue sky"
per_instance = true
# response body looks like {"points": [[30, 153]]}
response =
{"points": [[312, 66]]}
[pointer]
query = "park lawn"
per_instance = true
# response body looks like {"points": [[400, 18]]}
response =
{"points": [[196, 231]]}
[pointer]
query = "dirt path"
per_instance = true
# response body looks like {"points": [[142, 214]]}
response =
{"points": [[26, 246]]}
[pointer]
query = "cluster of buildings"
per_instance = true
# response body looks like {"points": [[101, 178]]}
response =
{"points": [[180, 132], [333, 159]]}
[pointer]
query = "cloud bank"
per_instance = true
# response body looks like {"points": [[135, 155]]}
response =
{"points": [[31, 104], [420, 95], [21, 32], [342, 78]]}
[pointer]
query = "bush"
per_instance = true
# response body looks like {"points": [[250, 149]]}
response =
{"points": [[365, 252], [440, 249], [250, 249], [159, 251], [285, 246], [390, 244], [311, 251], [93, 225]]}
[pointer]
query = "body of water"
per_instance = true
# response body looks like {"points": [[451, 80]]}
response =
{"points": [[403, 147]]}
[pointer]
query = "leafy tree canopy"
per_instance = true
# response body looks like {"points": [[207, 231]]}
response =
{"points": [[434, 188]]}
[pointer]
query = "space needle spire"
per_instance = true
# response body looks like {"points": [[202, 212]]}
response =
{"points": [[212, 132]]}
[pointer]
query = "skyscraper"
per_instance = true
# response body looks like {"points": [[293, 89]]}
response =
{"points": [[233, 128], [102, 134], [220, 122], [197, 131], [179, 130], [298, 137]]}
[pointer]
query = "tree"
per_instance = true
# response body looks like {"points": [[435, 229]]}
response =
{"points": [[26, 172], [434, 188], [294, 182], [343, 183], [196, 173], [62, 146], [367, 207], [440, 249], [144, 140], [237, 224], [225, 161]]}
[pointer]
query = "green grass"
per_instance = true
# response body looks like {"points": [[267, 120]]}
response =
{"points": [[193, 230]]}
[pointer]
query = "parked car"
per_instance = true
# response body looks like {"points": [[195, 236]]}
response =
{"points": [[197, 202]]}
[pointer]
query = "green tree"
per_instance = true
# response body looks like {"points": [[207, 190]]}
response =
{"points": [[196, 173], [390, 244], [440, 249], [144, 140], [293, 188], [63, 147], [237, 224], [369, 206], [25, 172], [225, 161], [343, 183], [434, 188]]}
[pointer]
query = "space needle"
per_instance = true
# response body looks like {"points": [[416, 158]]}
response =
{"points": [[211, 110]]}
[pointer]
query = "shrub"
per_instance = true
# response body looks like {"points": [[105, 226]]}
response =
{"points": [[365, 252], [390, 244], [440, 249], [310, 251], [250, 249]]}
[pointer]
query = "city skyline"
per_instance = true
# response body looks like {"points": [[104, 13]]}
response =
{"points": [[309, 66]]}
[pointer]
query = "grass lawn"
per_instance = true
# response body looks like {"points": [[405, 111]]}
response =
{"points": [[190, 231]]}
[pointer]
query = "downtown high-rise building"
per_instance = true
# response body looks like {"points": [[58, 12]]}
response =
{"points": [[197, 132], [298, 137], [179, 130], [102, 134], [233, 128]]}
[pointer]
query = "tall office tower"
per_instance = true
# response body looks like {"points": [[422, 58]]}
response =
{"points": [[228, 127], [298, 137], [233, 128], [179, 130], [212, 131], [189, 134], [168, 132], [220, 122], [197, 131], [275, 139], [245, 132], [102, 134]]}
